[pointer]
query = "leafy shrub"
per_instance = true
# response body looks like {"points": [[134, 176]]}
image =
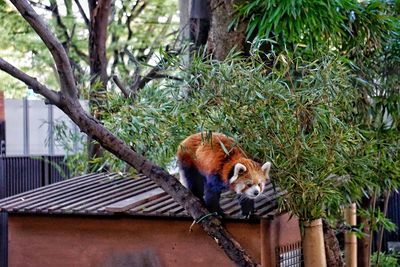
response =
{"points": [[300, 124], [384, 260]]}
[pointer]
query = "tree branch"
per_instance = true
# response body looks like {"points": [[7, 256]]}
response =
{"points": [[37, 87], [56, 14], [68, 37], [119, 84], [40, 5], [55, 47], [142, 81], [211, 224], [167, 76], [83, 14]]}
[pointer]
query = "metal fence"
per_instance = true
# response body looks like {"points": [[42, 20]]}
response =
{"points": [[289, 255], [3, 239], [20, 174]]}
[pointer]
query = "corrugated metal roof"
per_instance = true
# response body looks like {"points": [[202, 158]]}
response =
{"points": [[109, 194]]}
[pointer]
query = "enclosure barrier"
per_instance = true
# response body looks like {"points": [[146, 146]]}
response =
{"points": [[289, 255]]}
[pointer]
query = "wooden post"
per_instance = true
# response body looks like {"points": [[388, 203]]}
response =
{"points": [[350, 238], [313, 244]]}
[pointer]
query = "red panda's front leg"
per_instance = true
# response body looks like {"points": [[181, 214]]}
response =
{"points": [[246, 206], [212, 193]]}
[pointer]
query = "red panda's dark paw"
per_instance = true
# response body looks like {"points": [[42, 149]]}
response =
{"points": [[247, 207]]}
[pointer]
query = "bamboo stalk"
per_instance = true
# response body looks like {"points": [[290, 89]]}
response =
{"points": [[350, 238], [313, 244]]}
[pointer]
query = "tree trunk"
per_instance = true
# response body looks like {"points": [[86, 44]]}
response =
{"points": [[99, 13], [332, 248], [221, 39], [199, 22], [364, 248], [381, 231]]}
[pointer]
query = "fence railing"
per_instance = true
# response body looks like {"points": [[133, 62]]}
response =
{"points": [[20, 174], [3, 239], [289, 255]]}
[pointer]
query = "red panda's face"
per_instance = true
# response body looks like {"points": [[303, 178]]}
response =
{"points": [[249, 179]]}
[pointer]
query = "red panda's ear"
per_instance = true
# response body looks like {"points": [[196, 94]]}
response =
{"points": [[239, 168], [266, 167]]}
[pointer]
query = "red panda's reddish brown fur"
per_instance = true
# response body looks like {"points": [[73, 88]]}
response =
{"points": [[207, 155], [204, 157]]}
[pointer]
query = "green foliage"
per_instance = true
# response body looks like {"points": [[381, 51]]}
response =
{"points": [[304, 22], [306, 117], [300, 124], [66, 138], [348, 26], [378, 220], [385, 260], [366, 35]]}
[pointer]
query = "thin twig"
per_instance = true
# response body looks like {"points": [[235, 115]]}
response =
{"points": [[132, 58], [68, 37], [120, 85], [167, 76], [82, 11], [40, 5]]}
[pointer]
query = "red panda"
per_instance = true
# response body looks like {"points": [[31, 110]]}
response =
{"points": [[209, 164]]}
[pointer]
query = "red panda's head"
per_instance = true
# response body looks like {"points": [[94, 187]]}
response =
{"points": [[249, 178]]}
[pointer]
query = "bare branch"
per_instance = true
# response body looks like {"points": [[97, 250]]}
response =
{"points": [[139, 82], [68, 37], [56, 14], [132, 58], [53, 44], [211, 224], [40, 5], [37, 87], [167, 76], [83, 14], [119, 84]]}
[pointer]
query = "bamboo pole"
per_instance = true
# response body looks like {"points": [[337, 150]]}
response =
{"points": [[313, 244], [350, 238]]}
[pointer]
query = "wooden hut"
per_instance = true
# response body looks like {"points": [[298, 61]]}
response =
{"points": [[113, 220]]}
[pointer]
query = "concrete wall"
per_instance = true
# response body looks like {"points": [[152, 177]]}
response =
{"points": [[30, 128]]}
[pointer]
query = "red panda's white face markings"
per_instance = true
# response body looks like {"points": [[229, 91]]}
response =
{"points": [[249, 180]]}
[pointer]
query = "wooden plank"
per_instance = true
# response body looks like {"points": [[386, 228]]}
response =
{"points": [[135, 201]]}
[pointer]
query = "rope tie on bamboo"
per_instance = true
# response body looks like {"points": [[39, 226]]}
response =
{"points": [[198, 220]]}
